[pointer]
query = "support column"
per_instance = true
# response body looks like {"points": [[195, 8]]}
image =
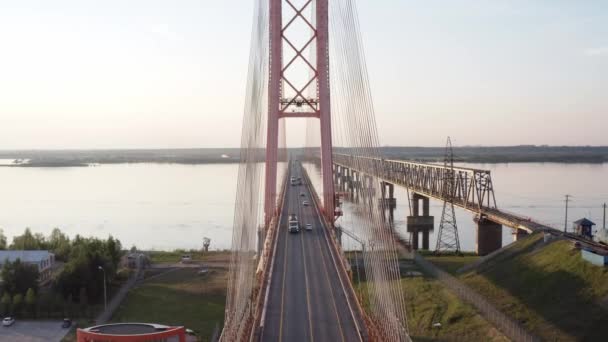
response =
{"points": [[519, 234], [274, 96], [322, 23], [417, 223], [489, 236], [388, 202]]}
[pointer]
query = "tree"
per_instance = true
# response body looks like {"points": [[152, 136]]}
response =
{"points": [[17, 303], [113, 247], [6, 303], [84, 301], [18, 277], [30, 301], [59, 244], [82, 268], [28, 241], [2, 240]]}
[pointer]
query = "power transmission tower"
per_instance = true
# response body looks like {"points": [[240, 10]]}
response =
{"points": [[447, 239]]}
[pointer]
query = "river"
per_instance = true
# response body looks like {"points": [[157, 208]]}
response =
{"points": [[169, 206]]}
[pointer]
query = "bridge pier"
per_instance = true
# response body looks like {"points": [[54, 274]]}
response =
{"points": [[417, 223], [356, 185], [388, 203], [519, 234], [489, 236]]}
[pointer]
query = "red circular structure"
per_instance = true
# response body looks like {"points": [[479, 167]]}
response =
{"points": [[131, 332]]}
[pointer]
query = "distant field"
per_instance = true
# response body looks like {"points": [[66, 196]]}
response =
{"points": [[181, 297], [551, 290], [470, 154], [197, 256]]}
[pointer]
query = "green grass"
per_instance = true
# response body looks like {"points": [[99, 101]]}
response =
{"points": [[180, 297], [429, 302], [552, 290], [175, 256], [452, 263]]}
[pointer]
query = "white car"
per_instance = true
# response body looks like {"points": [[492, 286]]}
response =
{"points": [[186, 259], [305, 203], [309, 226], [8, 321]]}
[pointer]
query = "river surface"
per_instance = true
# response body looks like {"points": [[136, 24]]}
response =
{"points": [[169, 206]]}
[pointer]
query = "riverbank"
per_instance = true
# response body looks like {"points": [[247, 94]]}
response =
{"points": [[199, 156]]}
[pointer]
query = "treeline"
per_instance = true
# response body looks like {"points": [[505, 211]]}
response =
{"points": [[472, 154], [78, 284]]}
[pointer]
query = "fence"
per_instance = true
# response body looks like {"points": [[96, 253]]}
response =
{"points": [[502, 322]]}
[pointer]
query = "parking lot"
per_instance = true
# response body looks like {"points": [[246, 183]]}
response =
{"points": [[33, 331]]}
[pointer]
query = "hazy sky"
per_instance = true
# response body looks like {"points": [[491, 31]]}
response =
{"points": [[143, 73]]}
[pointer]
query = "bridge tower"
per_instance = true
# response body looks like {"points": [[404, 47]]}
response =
{"points": [[296, 56]]}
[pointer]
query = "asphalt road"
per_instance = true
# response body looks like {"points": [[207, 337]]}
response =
{"points": [[306, 301], [33, 331]]}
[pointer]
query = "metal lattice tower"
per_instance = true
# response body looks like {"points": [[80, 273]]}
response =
{"points": [[447, 239]]}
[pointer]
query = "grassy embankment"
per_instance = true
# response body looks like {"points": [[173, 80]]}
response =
{"points": [[429, 302], [451, 262], [550, 289]]}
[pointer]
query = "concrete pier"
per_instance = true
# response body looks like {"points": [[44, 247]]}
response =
{"points": [[519, 234], [417, 223], [489, 236], [388, 202]]}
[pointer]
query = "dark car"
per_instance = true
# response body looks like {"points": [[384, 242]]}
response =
{"points": [[66, 323]]}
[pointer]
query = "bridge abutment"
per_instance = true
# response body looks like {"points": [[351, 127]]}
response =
{"points": [[489, 236], [417, 223], [519, 234]]}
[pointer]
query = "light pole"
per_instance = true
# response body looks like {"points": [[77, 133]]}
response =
{"points": [[105, 298]]}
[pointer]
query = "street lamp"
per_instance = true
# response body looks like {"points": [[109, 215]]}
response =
{"points": [[105, 298]]}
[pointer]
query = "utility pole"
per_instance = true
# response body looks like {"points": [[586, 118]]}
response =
{"points": [[604, 225], [105, 293], [566, 218]]}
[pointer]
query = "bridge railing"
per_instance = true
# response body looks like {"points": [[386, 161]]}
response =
{"points": [[473, 188]]}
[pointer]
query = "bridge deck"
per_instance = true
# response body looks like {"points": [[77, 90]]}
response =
{"points": [[306, 300]]}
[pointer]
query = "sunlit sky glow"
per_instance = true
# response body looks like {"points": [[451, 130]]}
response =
{"points": [[168, 74]]}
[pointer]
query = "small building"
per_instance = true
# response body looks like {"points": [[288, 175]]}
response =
{"points": [[126, 332], [584, 228], [43, 260]]}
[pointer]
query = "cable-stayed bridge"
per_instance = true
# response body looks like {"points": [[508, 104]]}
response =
{"points": [[307, 63]]}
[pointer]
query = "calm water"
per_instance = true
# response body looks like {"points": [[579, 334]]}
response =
{"points": [[158, 206]]}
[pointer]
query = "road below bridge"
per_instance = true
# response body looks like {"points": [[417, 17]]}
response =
{"points": [[307, 300]]}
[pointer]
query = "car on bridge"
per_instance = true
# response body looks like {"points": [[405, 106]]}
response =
{"points": [[294, 226], [308, 226], [305, 203]]}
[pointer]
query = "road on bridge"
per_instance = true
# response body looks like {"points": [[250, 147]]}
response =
{"points": [[307, 301]]}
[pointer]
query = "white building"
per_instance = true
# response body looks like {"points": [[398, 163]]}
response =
{"points": [[44, 260]]}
